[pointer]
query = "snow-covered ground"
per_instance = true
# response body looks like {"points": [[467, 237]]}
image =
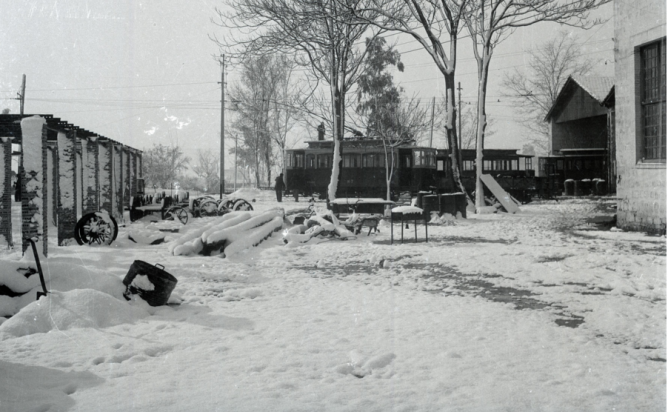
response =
{"points": [[525, 312]]}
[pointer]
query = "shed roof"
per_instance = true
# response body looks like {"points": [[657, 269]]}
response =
{"points": [[598, 87]]}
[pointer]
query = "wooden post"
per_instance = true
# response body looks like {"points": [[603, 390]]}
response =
{"points": [[33, 182], [105, 175], [91, 180], [6, 192]]}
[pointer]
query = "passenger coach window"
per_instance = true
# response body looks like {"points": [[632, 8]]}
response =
{"points": [[468, 165], [299, 160], [373, 160], [351, 160], [310, 161], [324, 161]]}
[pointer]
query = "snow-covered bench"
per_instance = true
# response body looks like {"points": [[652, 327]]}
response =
{"points": [[407, 214]]}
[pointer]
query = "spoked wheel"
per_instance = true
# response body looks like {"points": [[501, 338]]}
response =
{"points": [[208, 208], [242, 205], [96, 229], [177, 213], [228, 204]]}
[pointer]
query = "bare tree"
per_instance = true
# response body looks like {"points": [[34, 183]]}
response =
{"points": [[207, 168], [535, 90], [285, 108], [490, 22], [409, 121], [436, 25], [322, 37], [469, 129], [263, 80], [162, 165]]}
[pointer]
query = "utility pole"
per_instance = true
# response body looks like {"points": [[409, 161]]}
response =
{"points": [[459, 118], [222, 128], [22, 95], [431, 135]]}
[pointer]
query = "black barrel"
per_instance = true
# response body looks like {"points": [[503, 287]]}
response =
{"points": [[163, 282], [569, 187], [449, 203], [430, 204]]}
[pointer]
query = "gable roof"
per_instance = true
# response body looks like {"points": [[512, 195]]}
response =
{"points": [[598, 87]]}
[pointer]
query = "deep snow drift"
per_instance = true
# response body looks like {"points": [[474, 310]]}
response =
{"points": [[533, 311]]}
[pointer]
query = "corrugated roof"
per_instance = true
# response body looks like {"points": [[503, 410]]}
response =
{"points": [[597, 86]]}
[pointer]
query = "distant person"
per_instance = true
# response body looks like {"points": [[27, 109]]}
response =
{"points": [[279, 187]]}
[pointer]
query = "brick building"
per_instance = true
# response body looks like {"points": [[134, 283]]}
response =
{"points": [[640, 113]]}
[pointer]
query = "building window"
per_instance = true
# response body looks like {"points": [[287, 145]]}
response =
{"points": [[653, 99], [324, 161], [486, 165], [468, 165], [528, 163]]}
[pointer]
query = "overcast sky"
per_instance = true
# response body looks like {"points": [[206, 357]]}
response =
{"points": [[142, 72]]}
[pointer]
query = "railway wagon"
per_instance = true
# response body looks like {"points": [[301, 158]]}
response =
{"points": [[363, 171], [417, 168]]}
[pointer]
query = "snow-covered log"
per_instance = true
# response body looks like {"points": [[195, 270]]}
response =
{"points": [[188, 237], [219, 237], [254, 237], [234, 219]]}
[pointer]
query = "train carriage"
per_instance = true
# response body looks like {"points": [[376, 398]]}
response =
{"points": [[363, 169], [417, 168]]}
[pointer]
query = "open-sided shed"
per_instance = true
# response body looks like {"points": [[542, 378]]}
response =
{"points": [[64, 172]]}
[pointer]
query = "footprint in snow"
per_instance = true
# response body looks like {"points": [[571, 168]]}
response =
{"points": [[361, 366]]}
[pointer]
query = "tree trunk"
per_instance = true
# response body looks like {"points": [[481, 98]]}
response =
{"points": [[338, 98], [483, 74], [451, 132]]}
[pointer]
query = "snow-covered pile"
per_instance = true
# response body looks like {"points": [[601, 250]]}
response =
{"points": [[229, 234], [321, 225], [22, 278], [78, 308]]}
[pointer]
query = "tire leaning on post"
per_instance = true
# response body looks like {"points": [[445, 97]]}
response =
{"points": [[97, 228]]}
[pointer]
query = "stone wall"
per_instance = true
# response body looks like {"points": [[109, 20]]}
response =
{"points": [[641, 185]]}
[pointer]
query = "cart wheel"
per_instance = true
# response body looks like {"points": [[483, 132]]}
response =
{"points": [[228, 204], [179, 213], [208, 208], [242, 205], [95, 229]]}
